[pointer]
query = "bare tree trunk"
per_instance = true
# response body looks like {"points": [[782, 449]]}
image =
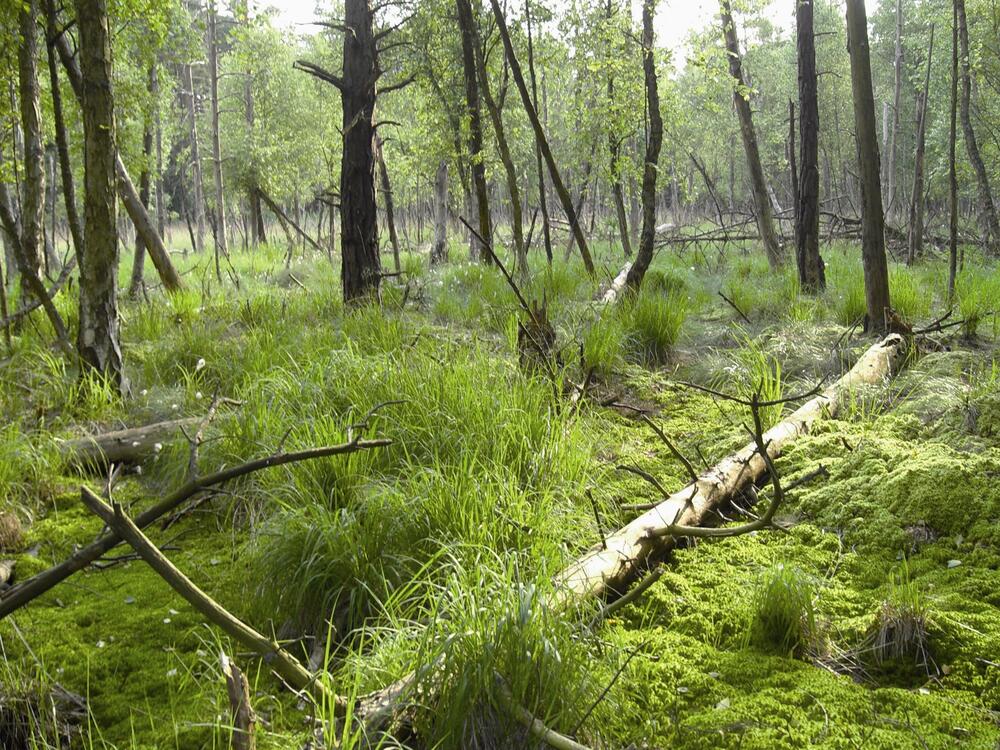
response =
{"points": [[542, 202], [33, 193], [62, 142], [199, 185], [138, 261], [872, 218], [390, 218], [758, 183], [466, 24], [956, 15], [988, 214], [221, 242], [161, 208], [126, 189], [439, 250], [644, 256], [915, 241], [890, 166], [812, 277], [496, 116], [97, 341], [557, 183], [614, 159]]}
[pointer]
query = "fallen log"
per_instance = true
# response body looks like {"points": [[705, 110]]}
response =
{"points": [[611, 296], [607, 570], [123, 446]]}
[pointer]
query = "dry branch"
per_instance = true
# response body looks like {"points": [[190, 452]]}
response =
{"points": [[244, 719], [130, 445], [22, 593], [643, 542]]}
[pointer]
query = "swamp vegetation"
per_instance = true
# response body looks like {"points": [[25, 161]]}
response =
{"points": [[337, 506]]}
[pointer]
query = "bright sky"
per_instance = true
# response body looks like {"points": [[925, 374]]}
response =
{"points": [[675, 18]]}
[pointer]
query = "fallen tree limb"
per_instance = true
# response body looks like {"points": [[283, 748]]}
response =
{"points": [[120, 446], [283, 663], [22, 593], [35, 303], [534, 725], [611, 296], [609, 570]]}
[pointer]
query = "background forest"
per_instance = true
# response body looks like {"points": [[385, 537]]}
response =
{"points": [[471, 374]]}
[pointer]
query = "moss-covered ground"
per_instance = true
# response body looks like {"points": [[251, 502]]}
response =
{"points": [[441, 546]]}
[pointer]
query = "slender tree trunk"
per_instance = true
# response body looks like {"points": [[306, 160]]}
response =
{"points": [[62, 142], [812, 277], [644, 256], [242, 10], [758, 183], [135, 287], [890, 166], [466, 24], [915, 241], [956, 18], [126, 189], [872, 218], [557, 183], [161, 208], [439, 250], [97, 342], [542, 201], [496, 117], [33, 193], [390, 218], [199, 185], [614, 159], [988, 214], [793, 170], [221, 242]]}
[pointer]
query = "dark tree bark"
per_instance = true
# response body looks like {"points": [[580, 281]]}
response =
{"points": [[758, 183], [62, 142], [915, 240], [540, 140], [361, 266], [97, 341], [439, 250], [654, 140], [496, 117], [793, 169], [135, 286], [812, 277], [33, 192], [390, 214], [542, 200], [199, 183], [956, 12], [872, 218], [242, 12], [988, 213], [466, 24], [126, 189]]}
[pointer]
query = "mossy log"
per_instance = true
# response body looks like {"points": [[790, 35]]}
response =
{"points": [[607, 570], [124, 446]]}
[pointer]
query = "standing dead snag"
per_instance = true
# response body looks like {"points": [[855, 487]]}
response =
{"points": [[608, 571], [361, 266], [244, 718]]}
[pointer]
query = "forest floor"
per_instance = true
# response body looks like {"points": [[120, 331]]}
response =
{"points": [[872, 621]]}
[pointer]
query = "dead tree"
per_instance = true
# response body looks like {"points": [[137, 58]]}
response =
{"points": [[872, 217], [390, 214], [97, 339], [915, 239], [221, 243], [812, 277], [540, 139], [644, 255], [361, 266], [741, 100], [439, 250], [988, 213], [890, 161], [197, 178]]}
